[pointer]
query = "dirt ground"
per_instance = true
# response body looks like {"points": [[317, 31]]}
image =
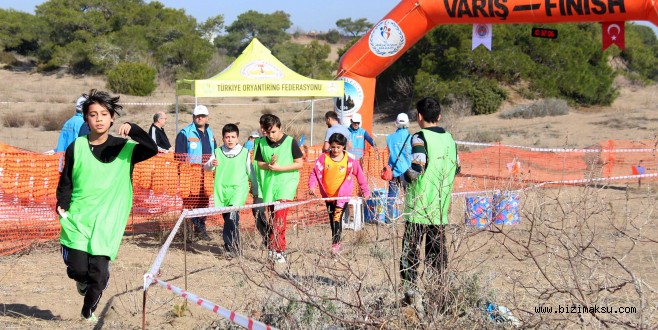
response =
{"points": [[37, 294], [620, 219]]}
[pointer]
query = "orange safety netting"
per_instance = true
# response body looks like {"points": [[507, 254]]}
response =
{"points": [[163, 187]]}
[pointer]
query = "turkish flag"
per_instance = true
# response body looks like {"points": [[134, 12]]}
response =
{"points": [[613, 33]]}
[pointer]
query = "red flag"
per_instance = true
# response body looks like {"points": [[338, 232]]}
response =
{"points": [[613, 33]]}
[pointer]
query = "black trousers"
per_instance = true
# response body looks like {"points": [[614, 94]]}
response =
{"points": [[90, 269], [262, 225], [231, 232], [436, 252], [336, 217]]}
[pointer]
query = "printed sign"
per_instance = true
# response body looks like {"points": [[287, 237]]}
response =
{"points": [[352, 100], [261, 70], [386, 38]]}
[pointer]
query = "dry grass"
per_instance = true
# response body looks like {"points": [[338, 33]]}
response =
{"points": [[34, 120], [54, 120], [541, 108], [13, 120]]}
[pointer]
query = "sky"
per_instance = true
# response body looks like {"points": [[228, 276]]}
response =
{"points": [[319, 16]]}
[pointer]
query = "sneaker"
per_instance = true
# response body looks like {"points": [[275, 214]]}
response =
{"points": [[204, 236], [335, 248], [279, 257], [91, 319], [82, 288]]}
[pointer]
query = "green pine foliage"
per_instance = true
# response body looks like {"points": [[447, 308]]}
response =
{"points": [[572, 67], [132, 79], [95, 36]]}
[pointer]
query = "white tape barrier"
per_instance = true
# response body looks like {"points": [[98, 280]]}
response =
{"points": [[278, 206], [150, 276], [155, 267], [556, 149], [163, 251], [613, 178], [481, 144], [243, 321]]}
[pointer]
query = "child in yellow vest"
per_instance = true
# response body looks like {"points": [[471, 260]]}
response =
{"points": [[333, 172], [233, 172]]}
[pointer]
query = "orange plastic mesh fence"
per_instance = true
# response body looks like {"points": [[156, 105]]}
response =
{"points": [[163, 187]]}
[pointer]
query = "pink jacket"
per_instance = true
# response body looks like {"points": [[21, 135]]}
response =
{"points": [[353, 168]]}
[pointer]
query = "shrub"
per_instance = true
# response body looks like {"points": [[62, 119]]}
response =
{"points": [[487, 96], [13, 119], [34, 120], [541, 108], [267, 111], [482, 136], [7, 58], [332, 36], [182, 108], [132, 78], [54, 122]]}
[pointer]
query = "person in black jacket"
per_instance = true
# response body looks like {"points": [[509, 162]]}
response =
{"points": [[157, 133]]}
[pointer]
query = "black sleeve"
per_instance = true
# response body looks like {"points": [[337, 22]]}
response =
{"points": [[258, 156], [65, 185], [145, 148], [296, 150]]}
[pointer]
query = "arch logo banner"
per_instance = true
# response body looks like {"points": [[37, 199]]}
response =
{"points": [[386, 38], [352, 100]]}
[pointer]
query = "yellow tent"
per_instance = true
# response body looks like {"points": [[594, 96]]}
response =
{"points": [[256, 72]]}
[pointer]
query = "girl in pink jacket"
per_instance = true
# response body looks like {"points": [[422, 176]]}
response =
{"points": [[333, 172]]}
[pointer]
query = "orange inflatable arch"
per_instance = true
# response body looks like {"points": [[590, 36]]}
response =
{"points": [[403, 26]]}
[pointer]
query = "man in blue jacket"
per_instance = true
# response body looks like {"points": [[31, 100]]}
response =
{"points": [[359, 137], [398, 143], [71, 127], [195, 143]]}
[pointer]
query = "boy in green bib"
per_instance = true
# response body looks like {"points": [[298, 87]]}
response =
{"points": [[279, 159], [434, 164], [94, 195], [233, 172]]}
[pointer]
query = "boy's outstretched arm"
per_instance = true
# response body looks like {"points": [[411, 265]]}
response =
{"points": [[145, 148]]}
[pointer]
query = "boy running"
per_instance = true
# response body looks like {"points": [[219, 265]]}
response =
{"points": [[94, 195]]}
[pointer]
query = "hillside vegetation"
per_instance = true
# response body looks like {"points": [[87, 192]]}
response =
{"points": [[103, 37]]}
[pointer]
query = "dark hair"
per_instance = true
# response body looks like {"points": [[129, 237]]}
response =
{"points": [[157, 116], [104, 100], [230, 128], [267, 121], [429, 108], [338, 138], [331, 114]]}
